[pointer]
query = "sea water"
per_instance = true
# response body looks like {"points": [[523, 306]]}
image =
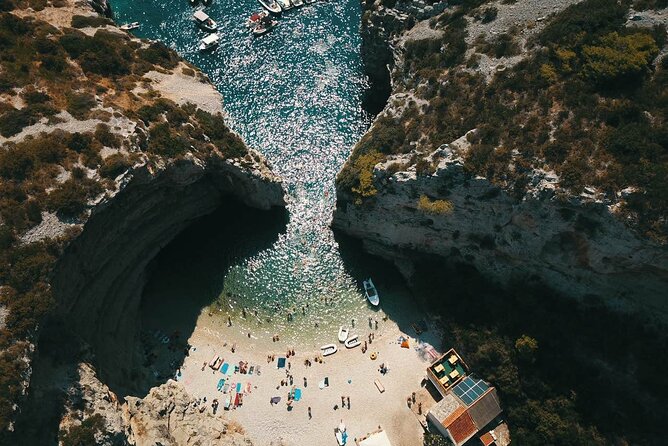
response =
{"points": [[294, 94]]}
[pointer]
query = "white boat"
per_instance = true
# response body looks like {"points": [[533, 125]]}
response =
{"points": [[209, 42], [130, 26], [343, 334], [328, 349], [256, 18], [371, 292], [204, 21], [284, 4], [264, 26], [271, 6], [352, 342], [297, 3]]}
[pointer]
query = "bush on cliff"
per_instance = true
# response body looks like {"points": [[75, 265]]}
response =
{"points": [[71, 198]]}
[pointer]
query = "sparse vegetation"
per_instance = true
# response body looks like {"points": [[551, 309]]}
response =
{"points": [[434, 207]]}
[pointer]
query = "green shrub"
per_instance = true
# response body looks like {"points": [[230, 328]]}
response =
{"points": [[158, 53], [85, 433], [434, 207], [106, 137], [70, 199], [80, 104], [14, 121], [114, 165], [163, 140]]}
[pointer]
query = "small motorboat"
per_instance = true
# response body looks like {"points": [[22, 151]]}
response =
{"points": [[297, 3], [256, 18], [285, 4], [328, 349], [352, 342], [371, 292], [264, 26], [130, 26], [205, 22], [271, 6], [209, 42], [343, 334]]}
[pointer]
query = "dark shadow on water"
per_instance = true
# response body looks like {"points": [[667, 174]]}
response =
{"points": [[396, 299], [189, 274]]}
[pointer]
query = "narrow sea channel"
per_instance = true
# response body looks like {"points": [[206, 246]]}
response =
{"points": [[294, 94]]}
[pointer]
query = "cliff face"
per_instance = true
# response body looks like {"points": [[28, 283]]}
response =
{"points": [[111, 145], [99, 279], [574, 244], [472, 160]]}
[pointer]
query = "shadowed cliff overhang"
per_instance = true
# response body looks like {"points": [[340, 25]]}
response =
{"points": [[99, 279]]}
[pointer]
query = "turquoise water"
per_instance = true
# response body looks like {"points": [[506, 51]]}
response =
{"points": [[295, 95]]}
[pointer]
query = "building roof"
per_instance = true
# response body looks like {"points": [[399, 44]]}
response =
{"points": [[485, 408], [446, 407], [460, 425], [470, 389], [443, 369], [486, 439], [378, 438]]}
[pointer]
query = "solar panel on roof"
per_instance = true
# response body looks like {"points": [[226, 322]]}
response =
{"points": [[469, 390]]}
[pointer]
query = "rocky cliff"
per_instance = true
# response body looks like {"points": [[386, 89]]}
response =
{"points": [[105, 158], [483, 156]]}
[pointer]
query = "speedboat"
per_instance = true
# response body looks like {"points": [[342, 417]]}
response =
{"points": [[343, 334], [256, 18], [371, 292], [264, 26], [205, 22], [284, 4], [271, 6], [352, 342], [328, 349], [130, 26], [297, 3], [209, 42]]}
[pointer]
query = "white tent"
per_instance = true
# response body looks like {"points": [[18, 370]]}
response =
{"points": [[376, 439]]}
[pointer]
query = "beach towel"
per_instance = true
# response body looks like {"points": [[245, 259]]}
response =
{"points": [[248, 387], [297, 394], [404, 344], [281, 363], [238, 387], [224, 368], [226, 388], [275, 399], [220, 385]]}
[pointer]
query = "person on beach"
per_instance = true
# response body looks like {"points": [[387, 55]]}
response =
{"points": [[305, 383], [348, 401], [229, 321], [309, 413], [343, 401], [352, 322], [376, 321]]}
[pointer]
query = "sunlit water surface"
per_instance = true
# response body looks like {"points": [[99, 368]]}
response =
{"points": [[294, 94]]}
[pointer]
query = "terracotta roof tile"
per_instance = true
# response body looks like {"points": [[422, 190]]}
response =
{"points": [[460, 425], [487, 439]]}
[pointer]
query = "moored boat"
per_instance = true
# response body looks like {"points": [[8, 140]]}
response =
{"points": [[256, 18], [343, 334], [130, 26], [285, 4], [209, 42], [328, 349], [271, 6], [204, 21], [352, 342], [298, 3], [371, 292], [264, 26]]}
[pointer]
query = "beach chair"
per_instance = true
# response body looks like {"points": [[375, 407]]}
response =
{"points": [[226, 388], [228, 402], [250, 371], [297, 394], [220, 385], [257, 370], [379, 386]]}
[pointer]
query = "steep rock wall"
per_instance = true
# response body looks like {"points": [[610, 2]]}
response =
{"points": [[99, 279], [574, 244]]}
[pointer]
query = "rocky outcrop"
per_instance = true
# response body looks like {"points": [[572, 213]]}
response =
{"points": [[166, 416], [574, 244]]}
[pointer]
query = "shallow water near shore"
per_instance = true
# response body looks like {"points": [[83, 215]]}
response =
{"points": [[295, 94]]}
